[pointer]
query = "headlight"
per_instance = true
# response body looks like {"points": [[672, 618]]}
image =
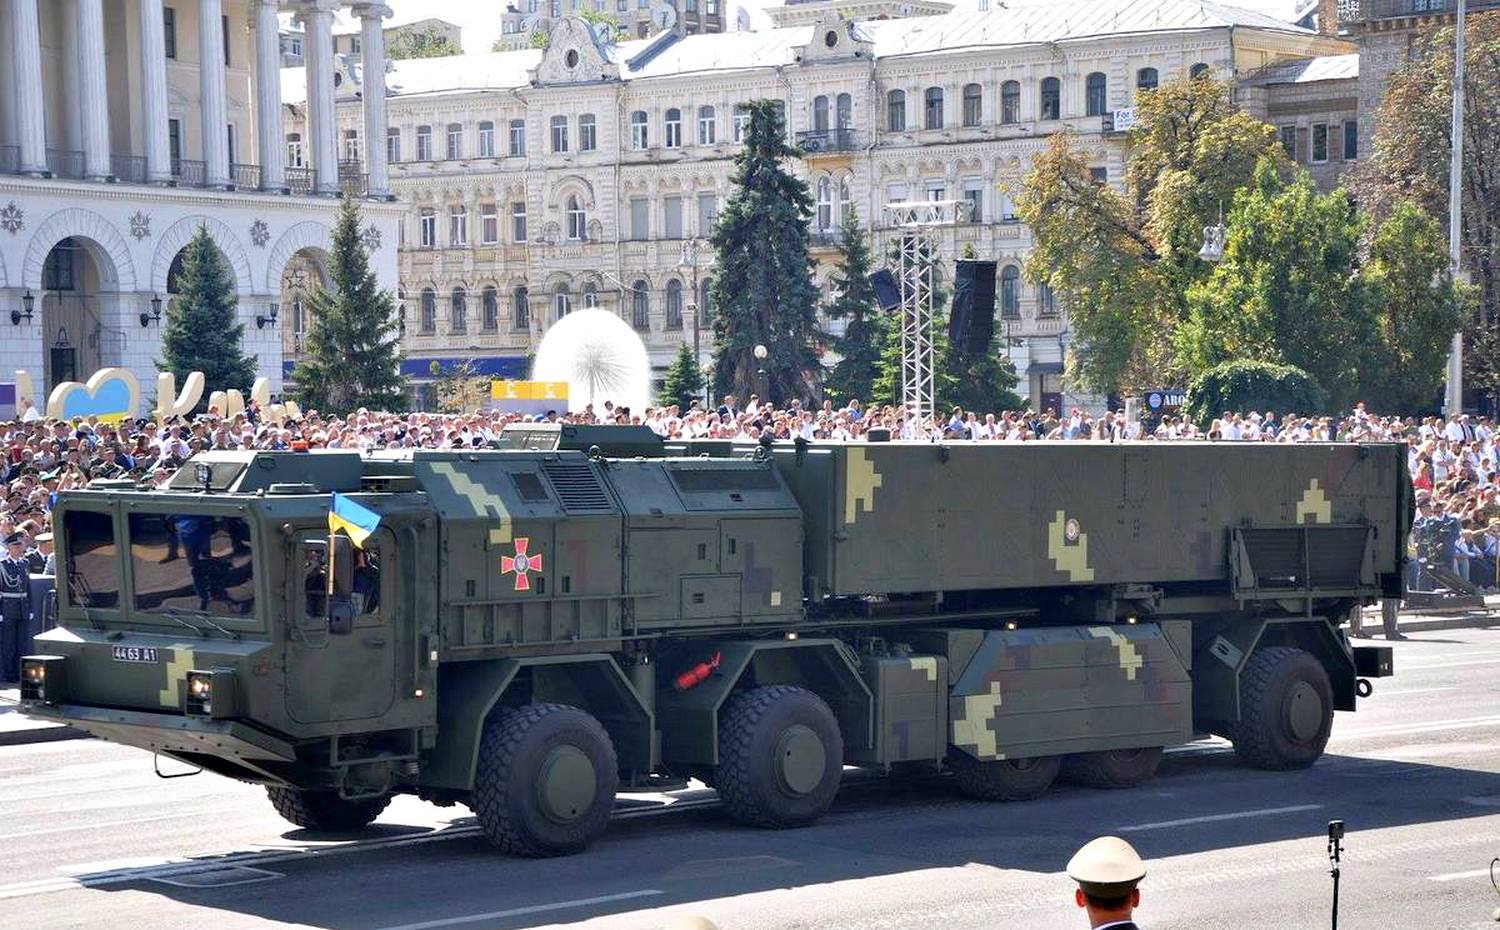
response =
{"points": [[210, 693], [43, 679]]}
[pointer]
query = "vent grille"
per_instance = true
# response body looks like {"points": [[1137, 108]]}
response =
{"points": [[577, 486]]}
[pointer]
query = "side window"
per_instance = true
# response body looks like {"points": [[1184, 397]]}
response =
{"points": [[368, 581]]}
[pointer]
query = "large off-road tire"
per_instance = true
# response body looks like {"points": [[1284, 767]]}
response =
{"points": [[325, 810], [781, 756], [1117, 768], [1005, 779], [1286, 710], [546, 780]]}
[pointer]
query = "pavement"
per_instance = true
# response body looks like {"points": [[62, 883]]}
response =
{"points": [[93, 838]]}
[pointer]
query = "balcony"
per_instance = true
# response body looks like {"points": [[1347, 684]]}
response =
{"points": [[825, 239], [827, 141], [65, 164], [183, 172]]}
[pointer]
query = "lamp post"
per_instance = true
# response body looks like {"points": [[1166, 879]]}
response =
{"points": [[689, 260], [762, 381], [1453, 392]]}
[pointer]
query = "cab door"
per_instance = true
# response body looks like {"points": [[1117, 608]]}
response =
{"points": [[336, 676]]}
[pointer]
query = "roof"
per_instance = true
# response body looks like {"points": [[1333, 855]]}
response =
{"points": [[1308, 70], [346, 23]]}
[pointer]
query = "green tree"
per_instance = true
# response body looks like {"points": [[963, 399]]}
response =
{"points": [[1416, 310], [459, 388], [859, 348], [1121, 262], [763, 290], [1286, 290], [427, 43], [352, 350], [1410, 158], [684, 381], [203, 332], [1249, 384]]}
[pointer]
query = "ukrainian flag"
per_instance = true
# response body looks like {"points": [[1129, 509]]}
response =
{"points": [[357, 521]]}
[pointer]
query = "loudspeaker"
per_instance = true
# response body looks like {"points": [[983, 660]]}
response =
{"points": [[971, 324], [878, 434], [886, 289]]}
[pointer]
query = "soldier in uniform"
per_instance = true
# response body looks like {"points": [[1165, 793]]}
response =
{"points": [[1107, 871], [14, 576]]}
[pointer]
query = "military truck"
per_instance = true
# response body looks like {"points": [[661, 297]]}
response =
{"points": [[531, 630]]}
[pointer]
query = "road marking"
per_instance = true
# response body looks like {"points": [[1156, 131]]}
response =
{"points": [[533, 909], [1438, 666], [1411, 729], [102, 826], [1218, 818], [1459, 876], [1380, 692]]}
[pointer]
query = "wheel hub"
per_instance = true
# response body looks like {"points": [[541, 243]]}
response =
{"points": [[1303, 712], [800, 760], [566, 784]]}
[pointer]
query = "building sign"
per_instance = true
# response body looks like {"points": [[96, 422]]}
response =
{"points": [[1125, 119], [1165, 400], [529, 397]]}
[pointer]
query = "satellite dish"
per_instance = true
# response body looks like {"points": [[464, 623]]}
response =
{"points": [[663, 16]]}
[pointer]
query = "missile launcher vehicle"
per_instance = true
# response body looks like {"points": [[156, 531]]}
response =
{"points": [[533, 629]]}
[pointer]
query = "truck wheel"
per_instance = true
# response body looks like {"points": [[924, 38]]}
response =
{"points": [[1286, 710], [781, 756], [1117, 768], [546, 780], [325, 810], [1005, 779]]}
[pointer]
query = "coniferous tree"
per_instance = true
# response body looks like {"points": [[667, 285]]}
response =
{"points": [[864, 337], [763, 290], [203, 332], [684, 382], [352, 350]]}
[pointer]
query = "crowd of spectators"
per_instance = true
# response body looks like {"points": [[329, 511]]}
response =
{"points": [[1453, 462]]}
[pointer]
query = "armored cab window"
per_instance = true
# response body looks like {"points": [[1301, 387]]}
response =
{"points": [[92, 561], [192, 562], [365, 582], [530, 488]]}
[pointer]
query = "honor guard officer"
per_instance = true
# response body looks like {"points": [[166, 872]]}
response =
{"points": [[1107, 871], [14, 576]]}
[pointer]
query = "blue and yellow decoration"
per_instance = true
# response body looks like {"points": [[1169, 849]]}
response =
{"points": [[354, 519]]}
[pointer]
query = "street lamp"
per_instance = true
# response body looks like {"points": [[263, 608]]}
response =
{"points": [[760, 352], [689, 260], [154, 314], [1453, 391]]}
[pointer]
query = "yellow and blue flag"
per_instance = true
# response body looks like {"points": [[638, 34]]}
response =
{"points": [[355, 520]]}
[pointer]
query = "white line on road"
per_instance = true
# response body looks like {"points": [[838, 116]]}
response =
{"points": [[1381, 692], [101, 826], [1439, 666], [1407, 729], [523, 911], [1459, 876], [1217, 818]]}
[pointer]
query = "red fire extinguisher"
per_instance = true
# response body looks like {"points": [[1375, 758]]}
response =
{"points": [[697, 674]]}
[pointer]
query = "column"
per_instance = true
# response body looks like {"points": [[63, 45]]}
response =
{"points": [[317, 20], [154, 92], [268, 131], [26, 50], [211, 92], [372, 50], [94, 92]]}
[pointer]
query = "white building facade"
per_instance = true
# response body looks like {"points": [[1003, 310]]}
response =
{"points": [[538, 182], [125, 127]]}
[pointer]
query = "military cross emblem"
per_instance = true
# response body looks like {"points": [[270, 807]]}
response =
{"points": [[521, 564]]}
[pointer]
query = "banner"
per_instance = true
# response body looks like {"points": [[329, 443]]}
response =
{"points": [[529, 397]]}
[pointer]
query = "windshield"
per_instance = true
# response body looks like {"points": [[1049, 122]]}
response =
{"points": [[92, 563], [192, 562]]}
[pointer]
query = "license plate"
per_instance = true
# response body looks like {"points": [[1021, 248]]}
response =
{"points": [[135, 654]]}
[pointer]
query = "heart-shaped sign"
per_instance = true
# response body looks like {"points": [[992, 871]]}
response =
{"points": [[111, 394]]}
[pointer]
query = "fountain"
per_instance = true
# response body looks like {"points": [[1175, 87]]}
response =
{"points": [[600, 357]]}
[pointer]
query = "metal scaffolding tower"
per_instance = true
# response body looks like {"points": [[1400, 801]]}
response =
{"points": [[915, 220]]}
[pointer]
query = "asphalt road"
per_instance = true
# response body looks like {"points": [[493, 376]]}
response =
{"points": [[91, 838]]}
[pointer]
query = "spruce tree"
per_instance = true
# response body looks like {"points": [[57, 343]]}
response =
{"points": [[684, 382], [860, 347], [763, 290], [352, 350], [203, 332]]}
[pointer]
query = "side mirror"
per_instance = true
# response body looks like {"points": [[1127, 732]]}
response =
{"points": [[340, 583]]}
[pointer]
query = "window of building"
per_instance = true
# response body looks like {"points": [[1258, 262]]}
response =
{"points": [[672, 129], [393, 145], [895, 111], [486, 139], [1146, 79], [224, 34], [638, 133], [672, 218], [424, 143], [1351, 139], [895, 192], [590, 296], [517, 138], [458, 225], [640, 212], [588, 133], [1099, 174], [520, 309], [741, 122], [1096, 94], [351, 145], [932, 114], [845, 201], [427, 226], [1319, 143], [1005, 207], [974, 194], [1010, 102], [674, 304], [169, 30], [518, 221], [428, 321], [294, 47], [455, 141], [1198, 70], [708, 213], [1046, 300], [640, 305], [1051, 98], [293, 144], [843, 112], [1288, 136], [489, 224], [458, 310], [578, 220], [559, 134], [973, 104], [825, 204], [1010, 292], [820, 113], [562, 300], [489, 310], [707, 125], [937, 190], [234, 149]]}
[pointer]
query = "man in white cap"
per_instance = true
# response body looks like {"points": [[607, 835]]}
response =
{"points": [[1107, 871]]}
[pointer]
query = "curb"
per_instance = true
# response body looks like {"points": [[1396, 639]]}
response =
{"points": [[44, 733]]}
